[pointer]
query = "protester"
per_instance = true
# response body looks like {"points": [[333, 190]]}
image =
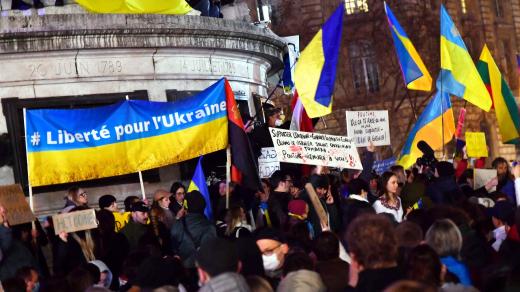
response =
{"points": [[218, 266], [321, 185], [445, 238], [444, 188], [270, 213], [191, 231], [331, 268], [505, 180], [373, 249], [31, 278], [357, 201], [160, 209], [76, 197], [298, 213], [389, 202], [236, 223], [502, 216], [274, 249], [108, 202], [177, 204]]}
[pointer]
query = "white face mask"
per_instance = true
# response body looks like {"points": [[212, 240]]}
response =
{"points": [[278, 122], [271, 262]]}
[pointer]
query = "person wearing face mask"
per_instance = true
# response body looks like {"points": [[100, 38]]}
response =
{"points": [[259, 134], [274, 249]]}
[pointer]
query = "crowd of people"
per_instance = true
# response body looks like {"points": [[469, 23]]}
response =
{"points": [[423, 229]]}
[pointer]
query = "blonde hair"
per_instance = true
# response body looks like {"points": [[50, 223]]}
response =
{"points": [[87, 245], [233, 218]]}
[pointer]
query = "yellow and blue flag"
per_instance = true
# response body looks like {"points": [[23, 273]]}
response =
{"points": [[69, 145], [458, 75], [415, 74], [435, 121], [315, 71], [198, 183], [136, 6]]}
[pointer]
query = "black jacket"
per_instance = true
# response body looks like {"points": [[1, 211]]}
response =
{"points": [[373, 280]]}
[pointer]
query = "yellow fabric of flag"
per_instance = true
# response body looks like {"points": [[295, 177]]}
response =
{"points": [[136, 6]]}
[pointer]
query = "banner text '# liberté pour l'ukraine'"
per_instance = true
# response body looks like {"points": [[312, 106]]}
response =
{"points": [[72, 145]]}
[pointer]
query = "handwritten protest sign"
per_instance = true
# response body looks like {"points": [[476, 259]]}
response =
{"points": [[74, 221], [315, 149], [368, 126], [476, 144], [381, 166], [13, 200], [267, 162], [482, 176]]}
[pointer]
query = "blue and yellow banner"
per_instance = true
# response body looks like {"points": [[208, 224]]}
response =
{"points": [[69, 145]]}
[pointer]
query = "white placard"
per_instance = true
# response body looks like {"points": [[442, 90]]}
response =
{"points": [[268, 162], [366, 126], [315, 149], [482, 176]]}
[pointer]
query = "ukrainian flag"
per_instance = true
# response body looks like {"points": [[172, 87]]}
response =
{"points": [[459, 76], [506, 108], [136, 6], [415, 74], [436, 120], [315, 72], [198, 183]]}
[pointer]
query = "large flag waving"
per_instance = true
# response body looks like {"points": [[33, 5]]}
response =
{"points": [[198, 183], [458, 75], [136, 6], [315, 72], [244, 168], [504, 102], [415, 74], [435, 121]]}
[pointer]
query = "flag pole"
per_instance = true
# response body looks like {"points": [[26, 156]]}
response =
{"points": [[228, 173], [141, 182], [31, 201]]}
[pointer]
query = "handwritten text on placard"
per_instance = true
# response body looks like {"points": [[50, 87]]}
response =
{"points": [[368, 126], [315, 149], [268, 162]]}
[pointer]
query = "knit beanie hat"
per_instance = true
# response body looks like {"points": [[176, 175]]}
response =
{"points": [[195, 202], [297, 207]]}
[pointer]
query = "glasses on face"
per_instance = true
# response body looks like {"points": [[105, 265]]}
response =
{"points": [[83, 195], [271, 251]]}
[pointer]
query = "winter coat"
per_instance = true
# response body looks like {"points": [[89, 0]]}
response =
{"points": [[188, 234], [15, 255], [334, 274], [444, 190], [376, 279], [226, 282]]}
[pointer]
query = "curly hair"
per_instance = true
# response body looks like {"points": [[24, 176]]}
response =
{"points": [[371, 238]]}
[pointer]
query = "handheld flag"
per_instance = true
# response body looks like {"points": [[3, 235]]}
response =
{"points": [[300, 121], [430, 127], [458, 75], [244, 168], [136, 6], [504, 102], [198, 183], [415, 74], [315, 72], [287, 78]]}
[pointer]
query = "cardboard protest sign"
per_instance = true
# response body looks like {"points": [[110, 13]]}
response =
{"points": [[482, 176], [368, 126], [476, 144], [74, 221], [17, 208], [315, 149], [320, 211], [268, 162]]}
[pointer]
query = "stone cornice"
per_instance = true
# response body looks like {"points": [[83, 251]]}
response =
{"points": [[58, 32]]}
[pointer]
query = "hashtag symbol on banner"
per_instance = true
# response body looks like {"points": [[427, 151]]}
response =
{"points": [[35, 139]]}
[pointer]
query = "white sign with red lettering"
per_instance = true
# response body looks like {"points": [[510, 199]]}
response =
{"points": [[268, 162], [315, 149]]}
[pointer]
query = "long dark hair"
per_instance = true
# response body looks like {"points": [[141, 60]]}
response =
{"points": [[383, 182]]}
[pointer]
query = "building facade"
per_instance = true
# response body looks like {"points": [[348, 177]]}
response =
{"points": [[369, 76]]}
